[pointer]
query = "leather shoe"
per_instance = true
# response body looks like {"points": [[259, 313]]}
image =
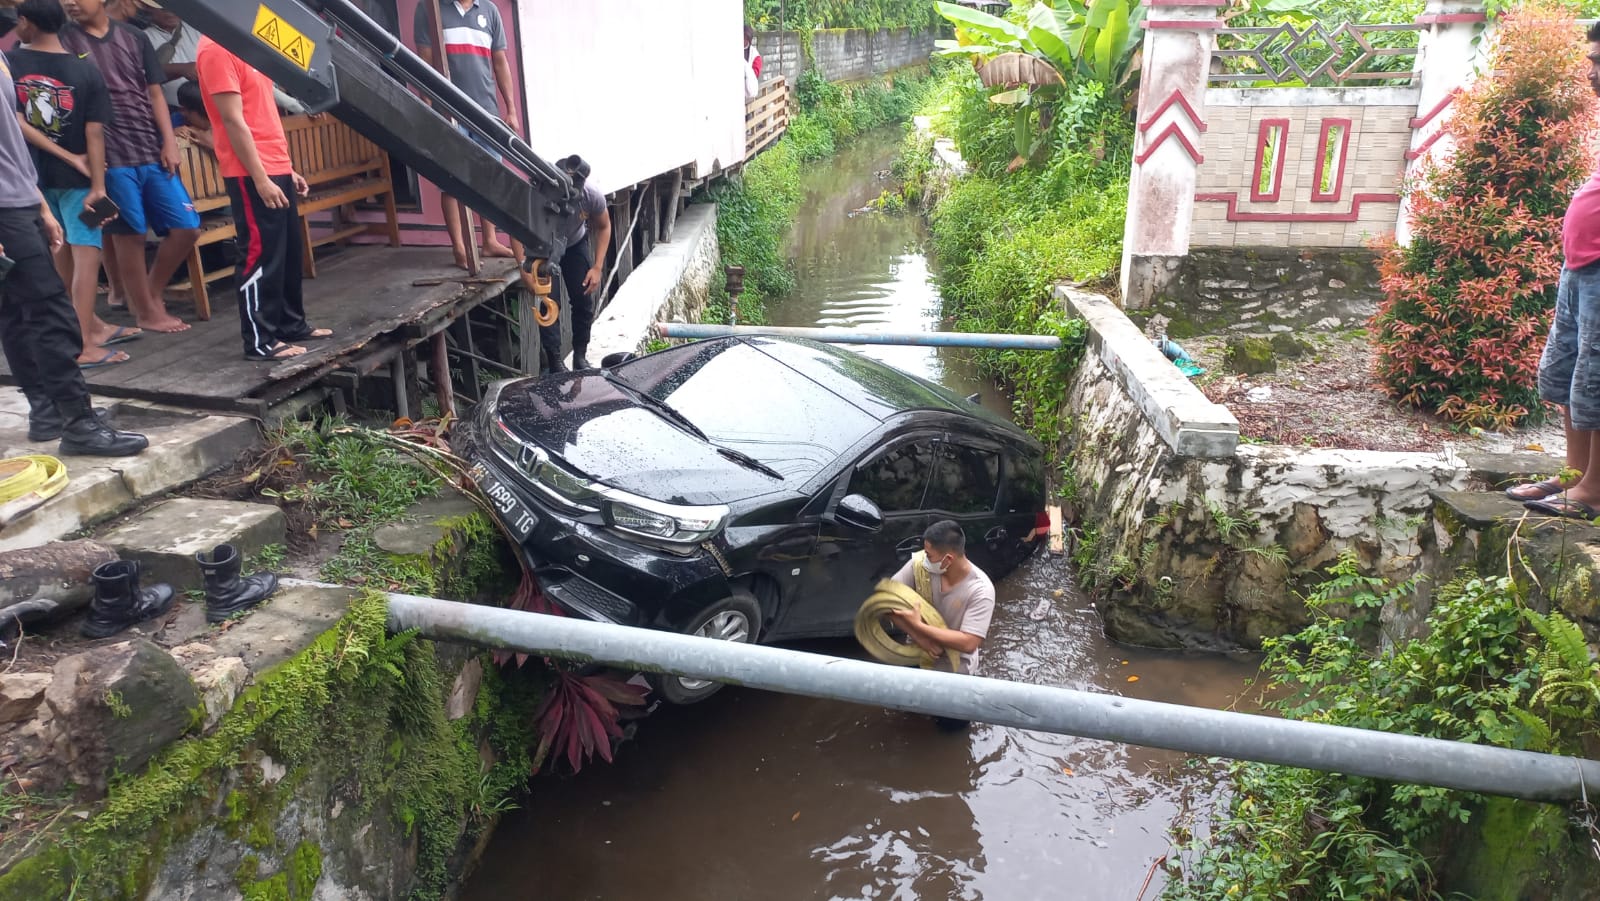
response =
{"points": [[89, 436], [45, 421]]}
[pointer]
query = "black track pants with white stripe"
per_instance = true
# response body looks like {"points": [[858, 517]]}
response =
{"points": [[271, 308]]}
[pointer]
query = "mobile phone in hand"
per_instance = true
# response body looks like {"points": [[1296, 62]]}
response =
{"points": [[103, 210]]}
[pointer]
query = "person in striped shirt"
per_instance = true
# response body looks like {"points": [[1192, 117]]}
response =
{"points": [[475, 51]]}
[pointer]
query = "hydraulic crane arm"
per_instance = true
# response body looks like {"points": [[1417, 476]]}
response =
{"points": [[332, 57]]}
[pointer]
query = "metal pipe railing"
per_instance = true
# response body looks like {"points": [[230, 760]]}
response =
{"points": [[1212, 733], [854, 336]]}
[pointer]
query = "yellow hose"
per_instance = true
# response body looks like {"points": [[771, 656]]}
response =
{"points": [[38, 475], [889, 597]]}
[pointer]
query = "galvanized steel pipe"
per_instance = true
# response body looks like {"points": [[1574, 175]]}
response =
{"points": [[854, 336], [1212, 733]]}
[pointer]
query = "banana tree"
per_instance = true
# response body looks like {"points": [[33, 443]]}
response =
{"points": [[1032, 61]]}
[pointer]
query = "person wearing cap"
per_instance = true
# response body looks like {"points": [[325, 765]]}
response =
{"points": [[580, 269]]}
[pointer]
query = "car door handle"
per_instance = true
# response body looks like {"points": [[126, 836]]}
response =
{"points": [[996, 535], [908, 547]]}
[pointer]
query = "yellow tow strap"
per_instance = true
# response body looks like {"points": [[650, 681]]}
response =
{"points": [[37, 475], [889, 597]]}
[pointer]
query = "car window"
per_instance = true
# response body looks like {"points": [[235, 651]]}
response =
{"points": [[1024, 483], [965, 480], [895, 480]]}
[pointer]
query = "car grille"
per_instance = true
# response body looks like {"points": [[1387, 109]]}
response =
{"points": [[591, 598]]}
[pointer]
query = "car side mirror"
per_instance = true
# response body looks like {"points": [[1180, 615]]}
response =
{"points": [[858, 512]]}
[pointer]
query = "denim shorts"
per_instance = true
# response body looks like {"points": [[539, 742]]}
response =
{"points": [[151, 199], [65, 205], [1569, 371], [485, 143]]}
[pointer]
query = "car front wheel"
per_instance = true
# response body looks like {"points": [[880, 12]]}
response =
{"points": [[735, 618]]}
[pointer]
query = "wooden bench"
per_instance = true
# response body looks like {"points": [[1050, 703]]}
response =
{"points": [[341, 166]]}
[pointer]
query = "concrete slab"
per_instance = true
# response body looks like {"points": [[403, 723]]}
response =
{"points": [[184, 447], [283, 626], [672, 283], [422, 531], [166, 537]]}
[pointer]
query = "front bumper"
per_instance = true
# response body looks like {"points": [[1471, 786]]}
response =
{"points": [[593, 573]]}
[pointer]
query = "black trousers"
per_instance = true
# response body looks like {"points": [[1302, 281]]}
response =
{"points": [[579, 305], [38, 329], [271, 307]]}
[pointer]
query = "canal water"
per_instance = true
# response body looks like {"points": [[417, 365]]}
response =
{"points": [[753, 795]]}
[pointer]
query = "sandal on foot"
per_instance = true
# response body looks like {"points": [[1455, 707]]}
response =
{"points": [[1564, 508], [316, 334], [276, 353], [110, 359], [123, 334], [1536, 491]]}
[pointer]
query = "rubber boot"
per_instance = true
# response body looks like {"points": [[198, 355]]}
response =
{"points": [[580, 359], [120, 602], [226, 592]]}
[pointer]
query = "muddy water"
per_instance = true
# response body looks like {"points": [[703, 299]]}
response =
{"points": [[761, 796]]}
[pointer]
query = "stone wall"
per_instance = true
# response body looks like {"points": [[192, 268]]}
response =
{"points": [[672, 284], [1268, 290], [1199, 545], [844, 54]]}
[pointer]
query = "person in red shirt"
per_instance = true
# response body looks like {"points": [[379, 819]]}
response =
{"points": [[1569, 370], [253, 157]]}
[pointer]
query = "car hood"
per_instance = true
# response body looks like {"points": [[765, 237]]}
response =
{"points": [[606, 434]]}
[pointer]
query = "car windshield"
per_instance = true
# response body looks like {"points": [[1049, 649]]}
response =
{"points": [[743, 398]]}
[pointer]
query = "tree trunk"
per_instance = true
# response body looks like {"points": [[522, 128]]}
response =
{"points": [[57, 572]]}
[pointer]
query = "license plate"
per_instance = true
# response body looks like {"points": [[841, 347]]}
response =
{"points": [[513, 512]]}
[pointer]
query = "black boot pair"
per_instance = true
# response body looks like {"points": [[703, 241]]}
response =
{"points": [[120, 601], [90, 435]]}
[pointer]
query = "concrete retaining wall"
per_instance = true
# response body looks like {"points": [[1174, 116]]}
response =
{"points": [[1191, 542], [673, 283], [844, 54]]}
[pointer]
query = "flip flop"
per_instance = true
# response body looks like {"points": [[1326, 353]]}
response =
{"points": [[313, 335], [277, 353], [1536, 491], [124, 333], [1564, 508], [106, 360]]}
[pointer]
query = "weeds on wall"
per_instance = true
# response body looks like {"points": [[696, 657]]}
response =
{"points": [[774, 15], [1490, 671], [756, 208], [1006, 235], [1468, 301]]}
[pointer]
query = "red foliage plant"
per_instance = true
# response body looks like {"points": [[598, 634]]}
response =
{"points": [[578, 717], [1468, 302]]}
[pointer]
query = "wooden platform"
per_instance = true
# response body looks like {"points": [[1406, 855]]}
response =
{"points": [[369, 296]]}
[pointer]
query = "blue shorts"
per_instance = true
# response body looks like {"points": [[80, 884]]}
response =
{"points": [[1569, 371], [150, 198], [65, 205], [480, 141]]}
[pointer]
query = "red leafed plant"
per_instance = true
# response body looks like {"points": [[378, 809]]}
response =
{"points": [[1468, 302], [578, 718]]}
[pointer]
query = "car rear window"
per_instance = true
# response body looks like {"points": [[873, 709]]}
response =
{"points": [[741, 397]]}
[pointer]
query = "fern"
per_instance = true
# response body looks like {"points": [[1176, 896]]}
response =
{"points": [[1569, 681]]}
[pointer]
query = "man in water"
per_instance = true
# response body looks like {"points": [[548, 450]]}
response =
{"points": [[961, 592]]}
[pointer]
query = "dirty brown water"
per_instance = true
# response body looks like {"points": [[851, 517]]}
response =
{"points": [[753, 795]]}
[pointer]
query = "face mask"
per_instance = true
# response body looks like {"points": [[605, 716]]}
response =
{"points": [[937, 569]]}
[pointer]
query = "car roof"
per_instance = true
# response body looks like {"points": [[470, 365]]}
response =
{"points": [[877, 388]]}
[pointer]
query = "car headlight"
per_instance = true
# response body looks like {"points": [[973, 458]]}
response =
{"points": [[670, 523]]}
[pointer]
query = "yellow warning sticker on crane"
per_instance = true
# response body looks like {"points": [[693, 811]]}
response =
{"points": [[278, 34]]}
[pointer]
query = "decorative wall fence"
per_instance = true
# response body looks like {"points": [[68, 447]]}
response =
{"points": [[1284, 137]]}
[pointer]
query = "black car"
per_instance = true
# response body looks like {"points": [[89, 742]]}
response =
{"points": [[746, 488]]}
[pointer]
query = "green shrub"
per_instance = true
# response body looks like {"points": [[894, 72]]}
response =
{"points": [[1479, 676], [807, 14]]}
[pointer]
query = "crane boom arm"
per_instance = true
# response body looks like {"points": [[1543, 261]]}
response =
{"points": [[332, 57]]}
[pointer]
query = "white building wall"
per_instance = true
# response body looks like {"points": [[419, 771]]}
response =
{"points": [[636, 87]]}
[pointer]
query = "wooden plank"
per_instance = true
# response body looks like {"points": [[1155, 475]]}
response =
{"points": [[623, 249], [670, 204]]}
